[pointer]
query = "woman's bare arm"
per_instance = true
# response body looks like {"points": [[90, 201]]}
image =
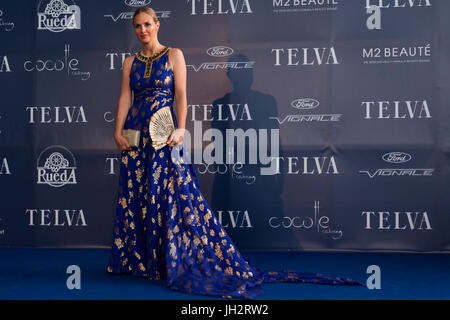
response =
{"points": [[125, 97], [179, 75]]}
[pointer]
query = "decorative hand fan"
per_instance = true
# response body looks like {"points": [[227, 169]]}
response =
{"points": [[161, 127]]}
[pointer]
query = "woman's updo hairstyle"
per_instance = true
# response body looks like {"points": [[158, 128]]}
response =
{"points": [[148, 11]]}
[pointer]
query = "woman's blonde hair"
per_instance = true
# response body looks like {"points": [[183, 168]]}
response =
{"points": [[148, 11]]}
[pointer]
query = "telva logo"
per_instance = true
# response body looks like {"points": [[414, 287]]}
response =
{"points": [[396, 157]]}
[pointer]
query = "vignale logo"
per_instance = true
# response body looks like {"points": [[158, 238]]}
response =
{"points": [[373, 9], [209, 7], [128, 15], [281, 6], [305, 104], [307, 56], [398, 158], [219, 52], [56, 166], [57, 16]]}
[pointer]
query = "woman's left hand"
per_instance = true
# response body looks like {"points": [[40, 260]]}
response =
{"points": [[176, 137]]}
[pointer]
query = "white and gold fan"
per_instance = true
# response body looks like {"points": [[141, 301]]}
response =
{"points": [[161, 127]]}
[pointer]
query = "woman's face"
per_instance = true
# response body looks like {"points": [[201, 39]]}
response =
{"points": [[145, 28]]}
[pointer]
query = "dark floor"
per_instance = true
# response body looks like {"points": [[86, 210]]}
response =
{"points": [[41, 274]]}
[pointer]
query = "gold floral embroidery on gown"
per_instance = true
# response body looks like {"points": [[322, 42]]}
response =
{"points": [[164, 229]]}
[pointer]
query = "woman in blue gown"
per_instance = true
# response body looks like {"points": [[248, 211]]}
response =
{"points": [[164, 229]]}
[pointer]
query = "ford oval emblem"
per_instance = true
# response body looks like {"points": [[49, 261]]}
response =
{"points": [[396, 157], [137, 3], [305, 103], [219, 51]]}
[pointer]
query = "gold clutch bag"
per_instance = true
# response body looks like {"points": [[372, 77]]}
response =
{"points": [[161, 127], [132, 136]]}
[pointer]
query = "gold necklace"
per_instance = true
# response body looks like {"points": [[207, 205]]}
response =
{"points": [[149, 60]]}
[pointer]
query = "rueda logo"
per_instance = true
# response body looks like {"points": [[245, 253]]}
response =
{"points": [[219, 51], [57, 16], [306, 104], [66, 64], [205, 7], [373, 9], [56, 167], [137, 3], [309, 6], [398, 158], [320, 223], [5, 25]]}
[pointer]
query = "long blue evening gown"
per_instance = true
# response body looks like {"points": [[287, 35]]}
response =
{"points": [[164, 229]]}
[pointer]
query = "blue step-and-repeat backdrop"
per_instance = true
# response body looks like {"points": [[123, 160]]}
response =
{"points": [[356, 92]]}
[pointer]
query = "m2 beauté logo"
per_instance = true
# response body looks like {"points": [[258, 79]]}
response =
{"points": [[57, 16]]}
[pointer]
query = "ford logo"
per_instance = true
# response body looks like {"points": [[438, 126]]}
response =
{"points": [[305, 103], [396, 157], [219, 51], [137, 3]]}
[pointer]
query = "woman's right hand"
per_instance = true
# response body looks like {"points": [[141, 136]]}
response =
{"points": [[121, 142]]}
